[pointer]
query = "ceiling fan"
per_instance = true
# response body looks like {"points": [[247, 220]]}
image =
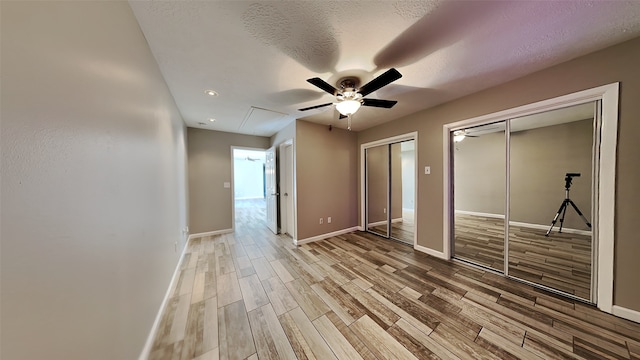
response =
{"points": [[349, 97]]}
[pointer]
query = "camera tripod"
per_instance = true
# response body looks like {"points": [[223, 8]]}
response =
{"points": [[567, 201]]}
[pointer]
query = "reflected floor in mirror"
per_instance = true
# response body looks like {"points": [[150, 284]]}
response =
{"points": [[561, 261], [400, 230], [254, 295]]}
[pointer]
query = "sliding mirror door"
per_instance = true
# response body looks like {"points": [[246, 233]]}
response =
{"points": [[390, 190], [551, 181], [402, 191], [479, 186], [377, 190]]}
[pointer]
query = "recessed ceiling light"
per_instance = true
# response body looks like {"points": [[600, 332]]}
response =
{"points": [[212, 119], [211, 93]]}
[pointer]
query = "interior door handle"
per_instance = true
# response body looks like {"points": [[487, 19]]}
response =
{"points": [[275, 194], [286, 194]]}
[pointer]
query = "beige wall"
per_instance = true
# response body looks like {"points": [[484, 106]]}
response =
{"points": [[479, 174], [327, 173], [209, 164], [618, 63], [377, 184], [540, 158], [93, 182], [396, 181]]}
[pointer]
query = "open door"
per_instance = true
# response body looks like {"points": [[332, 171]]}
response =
{"points": [[272, 191]]}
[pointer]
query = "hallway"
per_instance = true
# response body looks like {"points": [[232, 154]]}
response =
{"points": [[252, 294]]}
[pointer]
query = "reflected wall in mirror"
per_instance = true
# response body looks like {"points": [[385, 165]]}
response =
{"points": [[479, 161], [544, 148], [377, 192], [403, 191]]}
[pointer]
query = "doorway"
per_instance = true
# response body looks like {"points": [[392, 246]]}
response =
{"points": [[389, 183], [249, 185], [287, 188]]}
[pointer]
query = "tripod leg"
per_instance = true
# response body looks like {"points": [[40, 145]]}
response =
{"points": [[555, 218], [575, 207], [564, 212]]}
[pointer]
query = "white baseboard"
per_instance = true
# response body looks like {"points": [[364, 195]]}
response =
{"points": [[210, 233], [625, 313], [146, 350], [324, 236], [476, 213], [384, 222], [426, 250], [523, 224]]}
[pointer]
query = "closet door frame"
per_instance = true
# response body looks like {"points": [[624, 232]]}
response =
{"points": [[604, 196], [363, 188]]}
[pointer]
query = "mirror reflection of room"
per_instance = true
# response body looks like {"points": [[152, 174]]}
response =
{"points": [[479, 193], [550, 166], [551, 181]]}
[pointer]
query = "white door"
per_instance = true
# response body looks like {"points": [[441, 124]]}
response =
{"points": [[288, 188], [272, 193]]}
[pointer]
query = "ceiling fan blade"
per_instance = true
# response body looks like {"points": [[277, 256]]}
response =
{"points": [[315, 107], [341, 116], [323, 85], [386, 78], [388, 104]]}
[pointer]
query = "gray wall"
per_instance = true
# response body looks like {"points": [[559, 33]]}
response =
{"points": [[327, 176], [209, 154], [93, 182], [617, 63]]}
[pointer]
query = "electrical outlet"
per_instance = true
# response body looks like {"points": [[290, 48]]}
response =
{"points": [[321, 221], [384, 210], [329, 220]]}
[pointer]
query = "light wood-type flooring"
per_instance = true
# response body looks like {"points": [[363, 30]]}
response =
{"points": [[561, 261], [400, 230], [253, 295]]}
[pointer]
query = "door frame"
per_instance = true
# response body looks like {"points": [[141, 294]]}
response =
{"points": [[363, 194], [605, 194], [233, 174], [287, 165]]}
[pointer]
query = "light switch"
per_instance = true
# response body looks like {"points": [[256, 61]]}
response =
{"points": [[427, 170], [227, 185]]}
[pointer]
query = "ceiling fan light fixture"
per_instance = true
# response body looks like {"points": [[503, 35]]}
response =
{"points": [[458, 135], [348, 107]]}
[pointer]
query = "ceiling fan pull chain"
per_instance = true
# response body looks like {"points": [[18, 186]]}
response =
{"points": [[349, 122]]}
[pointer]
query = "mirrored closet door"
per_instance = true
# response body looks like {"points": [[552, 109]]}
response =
{"points": [[479, 185], [542, 165], [390, 190], [551, 182]]}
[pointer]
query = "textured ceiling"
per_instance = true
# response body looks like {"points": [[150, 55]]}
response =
{"points": [[257, 55]]}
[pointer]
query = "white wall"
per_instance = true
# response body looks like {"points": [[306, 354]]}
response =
{"points": [[248, 179], [93, 182]]}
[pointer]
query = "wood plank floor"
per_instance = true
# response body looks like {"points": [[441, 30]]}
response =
{"points": [[253, 295], [561, 261], [401, 231]]}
